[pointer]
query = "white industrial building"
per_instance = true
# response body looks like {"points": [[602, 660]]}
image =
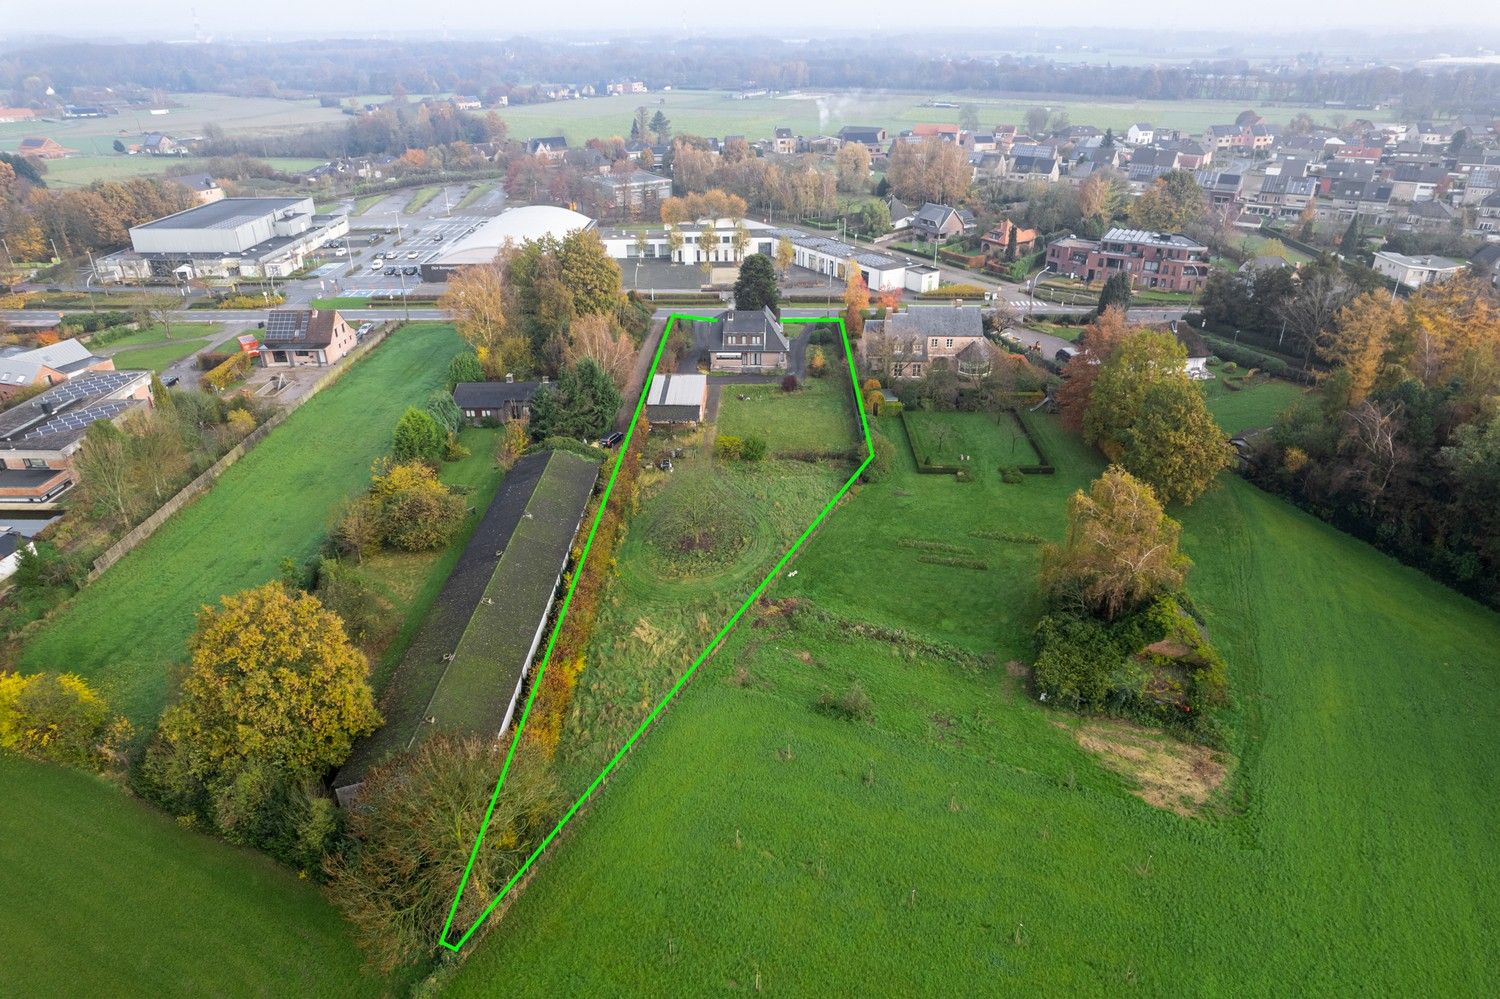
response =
{"points": [[713, 241], [229, 238], [514, 226]]}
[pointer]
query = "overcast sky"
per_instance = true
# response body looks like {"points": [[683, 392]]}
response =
{"points": [[173, 19]]}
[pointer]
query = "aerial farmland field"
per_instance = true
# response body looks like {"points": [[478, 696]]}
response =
{"points": [[960, 832]]}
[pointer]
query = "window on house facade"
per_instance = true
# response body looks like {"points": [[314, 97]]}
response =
{"points": [[950, 341]]}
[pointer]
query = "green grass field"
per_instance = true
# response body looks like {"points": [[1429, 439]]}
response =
{"points": [[755, 842], [342, 302], [1254, 405], [80, 171], [126, 630], [1254, 245], [703, 536], [106, 896], [819, 112], [420, 198], [157, 358], [813, 418], [152, 336], [475, 193], [980, 442]]}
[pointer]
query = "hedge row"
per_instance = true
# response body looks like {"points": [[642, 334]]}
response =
{"points": [[1249, 357]]}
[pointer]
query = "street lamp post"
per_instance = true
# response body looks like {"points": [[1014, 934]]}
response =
{"points": [[1031, 292]]}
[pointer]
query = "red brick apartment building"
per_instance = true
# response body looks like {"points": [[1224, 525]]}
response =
{"points": [[1165, 261]]}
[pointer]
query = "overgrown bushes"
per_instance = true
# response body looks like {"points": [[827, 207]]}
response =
{"points": [[235, 367], [58, 718], [407, 508]]}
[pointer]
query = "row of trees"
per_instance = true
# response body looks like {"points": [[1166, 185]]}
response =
{"points": [[1402, 447], [544, 303], [35, 219], [127, 471]]}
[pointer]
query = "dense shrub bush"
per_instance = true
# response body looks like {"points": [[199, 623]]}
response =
{"points": [[728, 447], [883, 461], [58, 718]]}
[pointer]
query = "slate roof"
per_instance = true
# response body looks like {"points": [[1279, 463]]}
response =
{"points": [[933, 321], [21, 367], [761, 325], [493, 395]]}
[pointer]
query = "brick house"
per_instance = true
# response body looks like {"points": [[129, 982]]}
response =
{"points": [[1166, 261], [40, 437], [997, 241], [747, 340], [50, 365], [909, 344], [44, 149], [305, 338]]}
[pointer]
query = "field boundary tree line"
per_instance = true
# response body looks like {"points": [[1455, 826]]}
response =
{"points": [[198, 486], [465, 933]]}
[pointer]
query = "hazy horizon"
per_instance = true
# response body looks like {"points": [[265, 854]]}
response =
{"points": [[189, 19]]}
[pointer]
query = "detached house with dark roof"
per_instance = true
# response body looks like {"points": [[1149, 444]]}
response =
{"points": [[940, 222], [747, 340], [910, 344], [548, 147], [305, 338], [495, 402]]}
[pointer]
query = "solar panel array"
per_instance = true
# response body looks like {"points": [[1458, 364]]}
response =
{"points": [[287, 325], [79, 419]]}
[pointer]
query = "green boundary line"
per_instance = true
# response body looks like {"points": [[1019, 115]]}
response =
{"points": [[708, 650]]}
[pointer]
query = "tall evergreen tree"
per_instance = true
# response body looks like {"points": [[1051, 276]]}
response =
{"points": [[1116, 293], [756, 286]]}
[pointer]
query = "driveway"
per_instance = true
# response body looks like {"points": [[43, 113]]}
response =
{"points": [[1047, 344]]}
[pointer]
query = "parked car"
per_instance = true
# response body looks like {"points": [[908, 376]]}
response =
{"points": [[171, 381], [410, 271], [610, 440], [376, 264], [665, 464], [392, 271], [364, 328], [412, 255]]}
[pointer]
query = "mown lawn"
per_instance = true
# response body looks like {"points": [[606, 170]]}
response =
{"points": [[106, 896], [980, 443], [342, 302], [816, 417], [157, 358], [756, 842], [126, 631], [156, 335], [1254, 405]]}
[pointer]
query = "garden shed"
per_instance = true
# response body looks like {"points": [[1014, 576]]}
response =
{"points": [[677, 399]]}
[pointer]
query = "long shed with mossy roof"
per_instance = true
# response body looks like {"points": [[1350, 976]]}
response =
{"points": [[464, 672]]}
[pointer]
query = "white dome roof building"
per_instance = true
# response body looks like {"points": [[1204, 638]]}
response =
{"points": [[515, 225]]}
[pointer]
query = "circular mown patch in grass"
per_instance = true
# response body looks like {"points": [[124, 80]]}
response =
{"points": [[703, 526]]}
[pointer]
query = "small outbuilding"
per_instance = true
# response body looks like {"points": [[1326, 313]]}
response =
{"points": [[677, 399], [494, 402]]}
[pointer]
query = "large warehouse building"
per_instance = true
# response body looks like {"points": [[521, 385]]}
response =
{"points": [[515, 226], [234, 237]]}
